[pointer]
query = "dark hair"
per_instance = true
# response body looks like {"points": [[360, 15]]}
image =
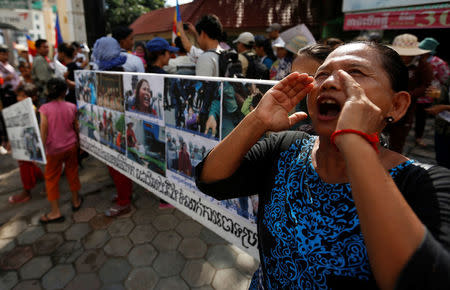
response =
{"points": [[392, 64], [3, 48], [23, 64], [142, 44], [248, 46], [67, 49], [75, 44], [153, 56], [138, 88], [333, 42], [261, 41], [56, 88], [39, 42], [255, 100], [30, 90], [121, 32], [179, 44], [211, 25], [317, 51]]}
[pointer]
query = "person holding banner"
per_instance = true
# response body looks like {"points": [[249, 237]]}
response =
{"points": [[109, 58], [59, 131], [337, 210], [30, 173]]}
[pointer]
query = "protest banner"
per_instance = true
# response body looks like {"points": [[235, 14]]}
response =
{"points": [[156, 128], [23, 132]]}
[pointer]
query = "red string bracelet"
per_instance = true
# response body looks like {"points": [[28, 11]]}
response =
{"points": [[371, 138]]}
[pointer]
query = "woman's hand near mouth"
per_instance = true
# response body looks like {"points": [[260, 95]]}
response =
{"points": [[358, 112], [273, 109]]}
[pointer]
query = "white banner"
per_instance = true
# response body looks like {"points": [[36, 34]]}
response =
{"points": [[156, 128], [23, 132]]}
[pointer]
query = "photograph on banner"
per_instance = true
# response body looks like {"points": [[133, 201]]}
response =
{"points": [[86, 87], [184, 150], [23, 132], [143, 95], [239, 99], [112, 129], [89, 120], [110, 91], [246, 206], [146, 144], [193, 106]]}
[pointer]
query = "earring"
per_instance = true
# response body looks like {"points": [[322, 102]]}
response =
{"points": [[389, 120]]}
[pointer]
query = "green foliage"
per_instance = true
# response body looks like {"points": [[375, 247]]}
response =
{"points": [[120, 124], [125, 12]]}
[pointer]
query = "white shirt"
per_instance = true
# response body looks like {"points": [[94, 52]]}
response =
{"points": [[194, 53], [133, 63], [174, 63], [60, 69], [208, 64]]}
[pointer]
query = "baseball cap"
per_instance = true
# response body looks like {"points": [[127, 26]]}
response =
{"points": [[273, 27], [429, 43], [245, 38], [158, 43]]}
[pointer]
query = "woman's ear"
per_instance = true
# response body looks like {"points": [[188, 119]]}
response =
{"points": [[400, 104]]}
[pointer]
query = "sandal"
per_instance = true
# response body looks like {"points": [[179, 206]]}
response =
{"points": [[47, 220], [117, 210], [13, 199], [76, 208]]}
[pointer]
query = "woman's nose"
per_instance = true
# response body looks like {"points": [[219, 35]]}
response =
{"points": [[331, 82]]}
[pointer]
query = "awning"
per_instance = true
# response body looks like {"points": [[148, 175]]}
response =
{"points": [[411, 18]]}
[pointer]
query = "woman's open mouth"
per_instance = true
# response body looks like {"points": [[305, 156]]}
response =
{"points": [[329, 109]]}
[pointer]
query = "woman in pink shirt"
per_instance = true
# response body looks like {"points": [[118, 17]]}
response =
{"points": [[59, 131]]}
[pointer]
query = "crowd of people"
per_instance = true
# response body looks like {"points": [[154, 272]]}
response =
{"points": [[316, 206]]}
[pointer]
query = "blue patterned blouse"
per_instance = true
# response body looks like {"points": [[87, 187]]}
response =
{"points": [[309, 232]]}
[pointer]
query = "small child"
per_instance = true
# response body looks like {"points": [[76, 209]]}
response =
{"points": [[59, 131], [29, 172]]}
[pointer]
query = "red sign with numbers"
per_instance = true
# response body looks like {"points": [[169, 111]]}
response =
{"points": [[406, 19]]}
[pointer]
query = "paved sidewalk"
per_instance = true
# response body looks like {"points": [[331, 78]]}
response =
{"points": [[147, 249]]}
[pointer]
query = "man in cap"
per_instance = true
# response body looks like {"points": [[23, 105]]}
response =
{"points": [[420, 77], [124, 36], [274, 35], [244, 46]]}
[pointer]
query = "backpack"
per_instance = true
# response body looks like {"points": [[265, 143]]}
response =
{"points": [[256, 69], [229, 64]]}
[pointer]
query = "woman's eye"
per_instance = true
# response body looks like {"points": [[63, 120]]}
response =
{"points": [[321, 75], [354, 72]]}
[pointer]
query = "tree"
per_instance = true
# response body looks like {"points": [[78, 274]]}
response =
{"points": [[125, 12]]}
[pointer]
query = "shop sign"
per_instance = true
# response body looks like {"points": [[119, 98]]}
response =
{"points": [[21, 19], [406, 19]]}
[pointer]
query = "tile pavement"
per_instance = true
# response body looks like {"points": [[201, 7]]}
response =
{"points": [[147, 249]]}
